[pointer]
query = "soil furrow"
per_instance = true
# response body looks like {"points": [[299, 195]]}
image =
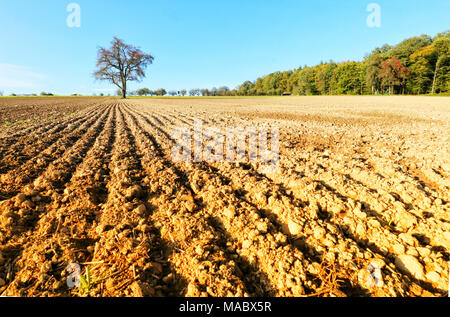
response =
{"points": [[52, 246], [36, 131], [356, 206], [19, 214], [365, 253], [11, 182], [201, 251], [246, 228], [33, 145]]}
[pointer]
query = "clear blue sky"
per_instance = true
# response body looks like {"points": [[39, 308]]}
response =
{"points": [[196, 43]]}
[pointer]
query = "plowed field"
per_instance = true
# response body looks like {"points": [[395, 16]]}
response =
{"points": [[359, 205]]}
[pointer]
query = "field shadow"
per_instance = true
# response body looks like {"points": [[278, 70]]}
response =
{"points": [[256, 282]]}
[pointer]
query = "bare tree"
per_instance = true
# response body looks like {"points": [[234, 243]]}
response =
{"points": [[120, 64], [194, 92]]}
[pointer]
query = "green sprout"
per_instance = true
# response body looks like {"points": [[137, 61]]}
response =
{"points": [[88, 282]]}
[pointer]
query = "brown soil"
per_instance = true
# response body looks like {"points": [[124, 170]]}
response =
{"points": [[362, 181]]}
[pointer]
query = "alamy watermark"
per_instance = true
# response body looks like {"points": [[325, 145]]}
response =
{"points": [[376, 278], [374, 18], [232, 144], [73, 279], [74, 18]]}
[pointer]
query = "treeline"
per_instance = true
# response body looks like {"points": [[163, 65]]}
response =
{"points": [[222, 91], [44, 94], [417, 65]]}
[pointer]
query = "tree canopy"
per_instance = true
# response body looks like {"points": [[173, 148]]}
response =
{"points": [[121, 63], [418, 65]]}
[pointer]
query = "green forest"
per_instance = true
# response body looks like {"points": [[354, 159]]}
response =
{"points": [[416, 66]]}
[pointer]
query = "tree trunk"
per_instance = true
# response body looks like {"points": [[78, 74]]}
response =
{"points": [[433, 87], [124, 90], [434, 82]]}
